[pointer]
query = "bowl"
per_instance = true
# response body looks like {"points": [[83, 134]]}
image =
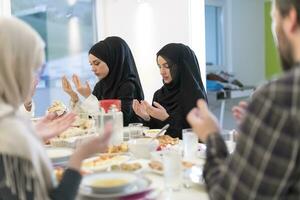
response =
{"points": [[141, 147], [109, 182], [59, 155]]}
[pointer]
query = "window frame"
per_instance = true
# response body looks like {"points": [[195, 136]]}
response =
{"points": [[222, 50]]}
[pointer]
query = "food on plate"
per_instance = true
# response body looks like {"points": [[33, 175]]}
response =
{"points": [[109, 182], [165, 140], [82, 123], [57, 107], [102, 162], [158, 166], [97, 160], [122, 148], [127, 167], [187, 164], [72, 132], [152, 132]]}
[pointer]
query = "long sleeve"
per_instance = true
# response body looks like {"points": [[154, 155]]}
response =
{"points": [[67, 189], [175, 119], [265, 163], [126, 93], [89, 105], [68, 186]]}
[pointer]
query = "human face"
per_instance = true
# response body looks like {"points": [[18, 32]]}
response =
{"points": [[284, 45], [99, 67], [164, 69]]}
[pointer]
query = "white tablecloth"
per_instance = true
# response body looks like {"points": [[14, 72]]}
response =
{"points": [[192, 193]]}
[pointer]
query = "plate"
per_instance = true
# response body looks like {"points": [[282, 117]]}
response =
{"points": [[59, 155], [152, 132], [103, 161], [186, 166], [140, 187], [69, 142], [109, 182]]}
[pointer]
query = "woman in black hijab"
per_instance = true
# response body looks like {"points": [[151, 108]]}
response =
{"points": [[112, 62], [182, 88]]}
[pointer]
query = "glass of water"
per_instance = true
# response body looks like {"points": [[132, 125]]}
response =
{"points": [[172, 170], [135, 130], [98, 120], [190, 144]]}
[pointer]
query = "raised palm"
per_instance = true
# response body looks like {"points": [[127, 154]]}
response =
{"points": [[84, 90], [51, 125], [156, 111], [68, 89], [67, 86], [140, 110]]}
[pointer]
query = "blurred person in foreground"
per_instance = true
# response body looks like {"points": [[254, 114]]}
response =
{"points": [[25, 169], [266, 161]]}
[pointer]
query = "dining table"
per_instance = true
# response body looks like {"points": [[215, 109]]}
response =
{"points": [[188, 190]]}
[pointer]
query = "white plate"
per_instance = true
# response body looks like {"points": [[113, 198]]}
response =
{"points": [[116, 160], [141, 186], [69, 142], [141, 162], [59, 155], [152, 132], [128, 178]]}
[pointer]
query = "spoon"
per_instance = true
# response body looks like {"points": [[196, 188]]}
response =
{"points": [[161, 131]]}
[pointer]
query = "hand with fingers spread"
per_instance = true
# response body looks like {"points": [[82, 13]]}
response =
{"points": [[157, 111], [84, 90], [68, 89], [140, 110], [51, 125], [239, 111], [89, 147], [203, 121]]}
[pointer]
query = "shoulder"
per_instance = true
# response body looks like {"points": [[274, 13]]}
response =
{"points": [[98, 86], [283, 92], [16, 133], [158, 93], [97, 91], [126, 88], [128, 85]]}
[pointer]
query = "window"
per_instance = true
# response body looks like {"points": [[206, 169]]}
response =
{"points": [[214, 35], [68, 29]]}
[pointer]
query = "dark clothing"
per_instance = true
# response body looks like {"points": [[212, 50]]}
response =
{"points": [[126, 94], [66, 190], [181, 95], [176, 120], [266, 162], [123, 75]]}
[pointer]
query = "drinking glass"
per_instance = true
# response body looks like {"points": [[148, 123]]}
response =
{"points": [[135, 130], [190, 144], [172, 170]]}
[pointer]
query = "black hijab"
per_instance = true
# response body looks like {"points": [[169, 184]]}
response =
{"points": [[186, 86], [115, 52]]}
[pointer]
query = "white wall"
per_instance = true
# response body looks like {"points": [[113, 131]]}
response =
{"points": [[5, 8], [247, 40], [147, 25]]}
